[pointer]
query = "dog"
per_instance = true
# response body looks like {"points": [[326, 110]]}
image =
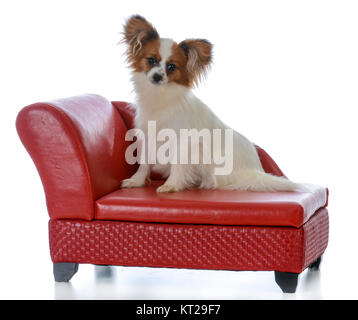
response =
{"points": [[163, 74]]}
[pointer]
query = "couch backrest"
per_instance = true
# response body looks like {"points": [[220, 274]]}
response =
{"points": [[78, 147]]}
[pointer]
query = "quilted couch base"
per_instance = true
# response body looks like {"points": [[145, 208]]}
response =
{"points": [[191, 246]]}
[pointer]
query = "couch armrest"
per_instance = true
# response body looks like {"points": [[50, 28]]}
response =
{"points": [[78, 147]]}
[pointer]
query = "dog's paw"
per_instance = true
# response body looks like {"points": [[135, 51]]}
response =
{"points": [[131, 183], [167, 188]]}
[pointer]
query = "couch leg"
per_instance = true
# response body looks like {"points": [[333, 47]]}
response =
{"points": [[64, 271], [287, 281], [315, 264]]}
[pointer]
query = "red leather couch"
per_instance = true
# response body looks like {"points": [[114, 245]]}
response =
{"points": [[78, 146]]}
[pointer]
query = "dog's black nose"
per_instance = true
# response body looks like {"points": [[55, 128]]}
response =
{"points": [[157, 77]]}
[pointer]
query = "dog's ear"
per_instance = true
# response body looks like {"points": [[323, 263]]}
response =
{"points": [[199, 57], [137, 32]]}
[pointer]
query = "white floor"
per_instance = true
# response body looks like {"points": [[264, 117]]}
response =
{"points": [[33, 280]]}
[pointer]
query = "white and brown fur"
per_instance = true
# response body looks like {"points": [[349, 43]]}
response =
{"points": [[163, 94]]}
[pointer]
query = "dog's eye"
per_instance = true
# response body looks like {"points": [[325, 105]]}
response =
{"points": [[152, 61], [171, 67]]}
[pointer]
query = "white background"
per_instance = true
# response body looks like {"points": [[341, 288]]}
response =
{"points": [[285, 75]]}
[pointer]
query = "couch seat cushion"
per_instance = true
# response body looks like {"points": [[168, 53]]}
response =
{"points": [[219, 207]]}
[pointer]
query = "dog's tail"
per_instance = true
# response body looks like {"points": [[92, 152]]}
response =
{"points": [[261, 181]]}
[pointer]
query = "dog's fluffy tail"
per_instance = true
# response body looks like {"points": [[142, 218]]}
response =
{"points": [[261, 181]]}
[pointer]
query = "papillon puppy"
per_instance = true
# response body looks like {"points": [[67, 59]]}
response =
{"points": [[163, 74]]}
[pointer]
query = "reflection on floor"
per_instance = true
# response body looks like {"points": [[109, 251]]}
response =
{"points": [[109, 282]]}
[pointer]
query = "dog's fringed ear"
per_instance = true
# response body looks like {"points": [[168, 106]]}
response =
{"points": [[137, 32], [199, 57]]}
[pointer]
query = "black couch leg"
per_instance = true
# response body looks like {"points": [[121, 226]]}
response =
{"points": [[315, 264], [64, 271], [287, 281]]}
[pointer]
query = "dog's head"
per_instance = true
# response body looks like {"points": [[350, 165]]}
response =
{"points": [[163, 60]]}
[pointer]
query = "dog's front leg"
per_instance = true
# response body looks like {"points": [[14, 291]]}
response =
{"points": [[139, 179], [176, 179]]}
